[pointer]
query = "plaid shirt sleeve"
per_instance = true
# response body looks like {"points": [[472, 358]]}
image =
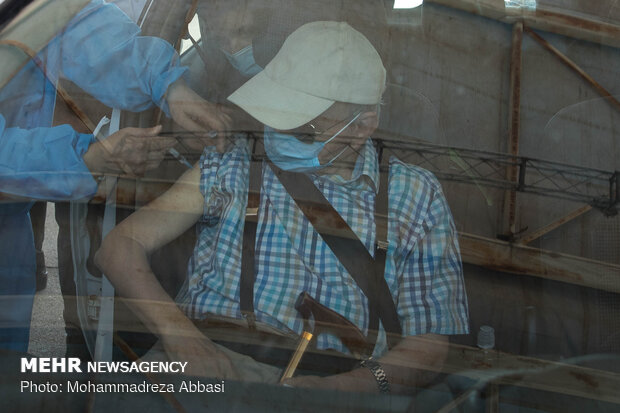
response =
{"points": [[431, 292]]}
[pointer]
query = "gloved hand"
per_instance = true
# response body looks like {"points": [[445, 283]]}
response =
{"points": [[195, 114], [130, 150]]}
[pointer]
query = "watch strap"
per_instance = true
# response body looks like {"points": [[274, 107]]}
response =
{"points": [[377, 370]]}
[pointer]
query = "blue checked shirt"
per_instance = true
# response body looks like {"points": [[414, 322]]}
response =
{"points": [[423, 265]]}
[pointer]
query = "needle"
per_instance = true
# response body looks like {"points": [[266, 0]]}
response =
{"points": [[179, 157]]}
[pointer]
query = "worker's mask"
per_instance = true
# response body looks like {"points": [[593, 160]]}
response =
{"points": [[291, 154], [243, 61]]}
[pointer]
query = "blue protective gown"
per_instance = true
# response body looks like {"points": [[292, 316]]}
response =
{"points": [[101, 51]]}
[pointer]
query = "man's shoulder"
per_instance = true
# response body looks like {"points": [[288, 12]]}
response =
{"points": [[236, 152], [417, 195], [413, 175], [226, 170]]}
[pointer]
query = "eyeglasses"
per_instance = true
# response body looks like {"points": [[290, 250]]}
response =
{"points": [[307, 133]]}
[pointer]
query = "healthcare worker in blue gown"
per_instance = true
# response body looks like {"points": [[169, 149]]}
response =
{"points": [[101, 51]]}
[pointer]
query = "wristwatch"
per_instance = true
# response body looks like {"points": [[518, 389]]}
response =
{"points": [[377, 370]]}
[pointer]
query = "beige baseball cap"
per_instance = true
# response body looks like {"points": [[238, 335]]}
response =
{"points": [[320, 63]]}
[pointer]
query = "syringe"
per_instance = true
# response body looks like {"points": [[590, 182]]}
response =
{"points": [[212, 134], [179, 157]]}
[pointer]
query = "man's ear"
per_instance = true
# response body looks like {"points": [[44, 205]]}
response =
{"points": [[366, 124]]}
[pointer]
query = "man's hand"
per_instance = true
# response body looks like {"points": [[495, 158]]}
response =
{"points": [[411, 363], [195, 114], [358, 380], [130, 150]]}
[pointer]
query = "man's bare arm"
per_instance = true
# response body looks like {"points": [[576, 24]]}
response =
{"points": [[123, 257]]}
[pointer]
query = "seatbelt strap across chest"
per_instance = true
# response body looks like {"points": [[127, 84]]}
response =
{"points": [[368, 272]]}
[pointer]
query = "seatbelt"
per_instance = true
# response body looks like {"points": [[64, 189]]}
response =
{"points": [[368, 272]]}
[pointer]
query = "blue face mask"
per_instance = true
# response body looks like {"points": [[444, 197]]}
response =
{"points": [[243, 61], [291, 154]]}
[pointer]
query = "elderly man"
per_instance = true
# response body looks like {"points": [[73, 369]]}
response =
{"points": [[319, 100]]}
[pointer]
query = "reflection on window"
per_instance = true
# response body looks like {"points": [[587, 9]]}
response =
{"points": [[407, 4], [194, 31], [520, 4]]}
